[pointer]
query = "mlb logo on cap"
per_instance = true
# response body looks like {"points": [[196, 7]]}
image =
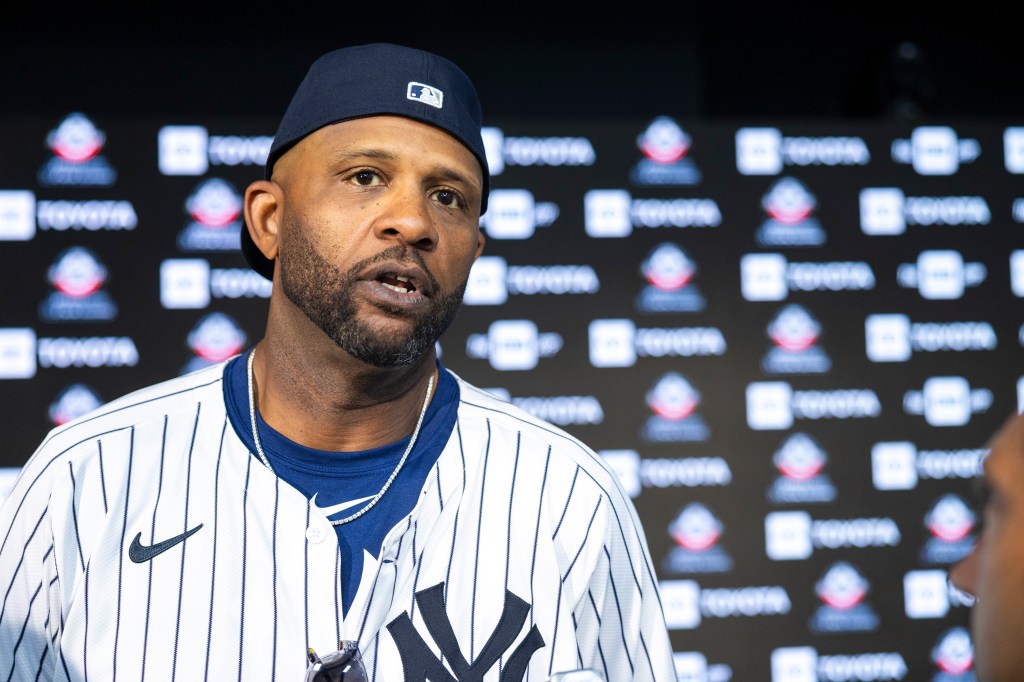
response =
{"points": [[419, 92]]}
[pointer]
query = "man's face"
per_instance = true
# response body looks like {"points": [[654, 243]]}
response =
{"points": [[379, 230], [994, 571]]}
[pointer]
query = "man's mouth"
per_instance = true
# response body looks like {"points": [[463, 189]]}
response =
{"points": [[399, 283]]}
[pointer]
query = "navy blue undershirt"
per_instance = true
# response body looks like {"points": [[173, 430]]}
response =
{"points": [[338, 477]]}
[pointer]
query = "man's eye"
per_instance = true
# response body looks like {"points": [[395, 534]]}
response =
{"points": [[447, 197], [365, 177]]}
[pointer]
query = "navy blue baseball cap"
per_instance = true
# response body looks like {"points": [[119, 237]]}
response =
{"points": [[372, 80]]}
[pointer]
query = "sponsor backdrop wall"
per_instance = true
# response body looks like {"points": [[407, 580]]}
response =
{"points": [[791, 340]]}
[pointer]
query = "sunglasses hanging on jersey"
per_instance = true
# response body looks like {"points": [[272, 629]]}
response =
{"points": [[344, 665]]}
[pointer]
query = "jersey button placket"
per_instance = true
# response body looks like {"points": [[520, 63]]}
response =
{"points": [[316, 533]]}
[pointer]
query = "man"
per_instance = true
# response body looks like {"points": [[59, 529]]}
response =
{"points": [[993, 572], [335, 486]]}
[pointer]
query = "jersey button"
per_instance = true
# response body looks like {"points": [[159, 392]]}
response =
{"points": [[316, 534]]}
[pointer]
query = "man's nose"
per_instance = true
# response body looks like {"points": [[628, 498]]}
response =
{"points": [[407, 217]]}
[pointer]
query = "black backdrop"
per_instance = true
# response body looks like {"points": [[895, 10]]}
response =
{"points": [[535, 60]]}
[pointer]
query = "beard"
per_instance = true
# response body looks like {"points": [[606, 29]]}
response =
{"points": [[324, 293]]}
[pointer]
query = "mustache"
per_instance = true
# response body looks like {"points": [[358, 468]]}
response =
{"points": [[399, 253]]}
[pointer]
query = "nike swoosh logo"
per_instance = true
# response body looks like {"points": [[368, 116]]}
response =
{"points": [[327, 511], [140, 553]]}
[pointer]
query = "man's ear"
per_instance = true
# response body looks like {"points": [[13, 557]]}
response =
{"points": [[263, 204], [479, 244]]}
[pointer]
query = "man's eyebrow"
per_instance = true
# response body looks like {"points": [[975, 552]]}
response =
{"points": [[445, 173], [441, 172], [351, 154]]}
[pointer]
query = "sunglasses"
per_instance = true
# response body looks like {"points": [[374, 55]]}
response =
{"points": [[344, 665]]}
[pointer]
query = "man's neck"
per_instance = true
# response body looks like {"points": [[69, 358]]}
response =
{"points": [[332, 401]]}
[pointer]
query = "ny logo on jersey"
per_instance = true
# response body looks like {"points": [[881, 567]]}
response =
{"points": [[421, 664]]}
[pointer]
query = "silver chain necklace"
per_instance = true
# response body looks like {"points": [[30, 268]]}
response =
{"points": [[391, 478]]}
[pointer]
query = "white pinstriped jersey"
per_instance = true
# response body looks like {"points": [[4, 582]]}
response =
{"points": [[523, 557]]}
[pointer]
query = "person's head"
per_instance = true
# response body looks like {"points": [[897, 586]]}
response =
{"points": [[368, 218], [993, 573]]}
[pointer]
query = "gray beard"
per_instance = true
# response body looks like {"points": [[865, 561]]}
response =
{"points": [[324, 293]]}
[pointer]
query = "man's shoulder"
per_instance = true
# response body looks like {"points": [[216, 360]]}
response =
{"points": [[497, 405], [504, 413], [188, 387], [154, 401]]}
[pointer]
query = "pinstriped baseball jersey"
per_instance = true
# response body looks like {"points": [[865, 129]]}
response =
{"points": [[144, 541]]}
